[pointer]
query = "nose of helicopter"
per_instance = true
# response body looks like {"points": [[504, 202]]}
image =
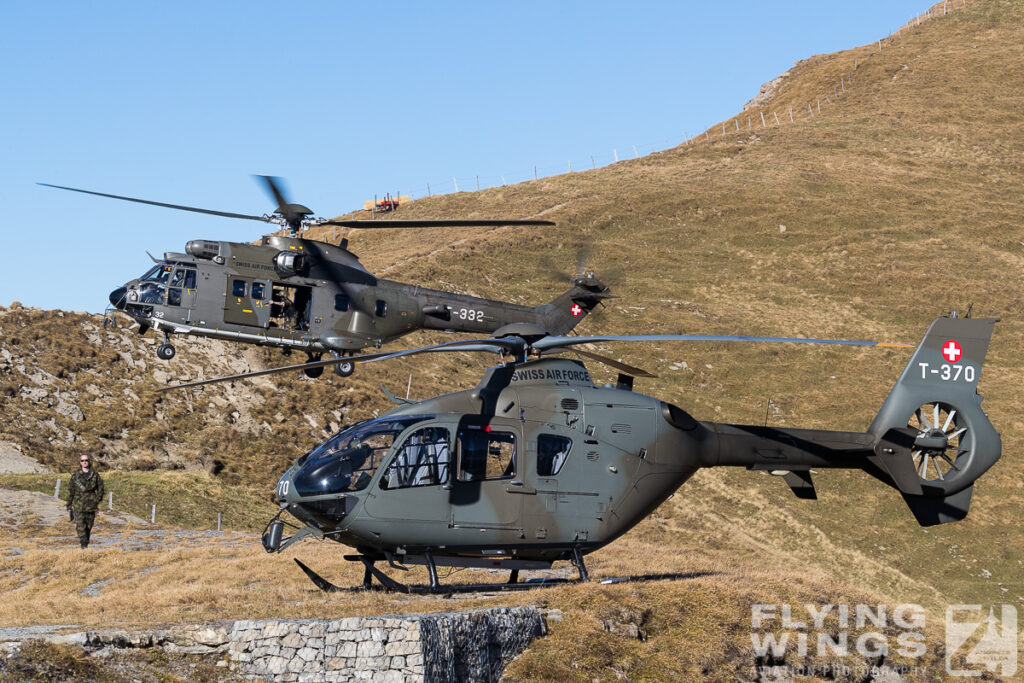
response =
{"points": [[117, 297]]}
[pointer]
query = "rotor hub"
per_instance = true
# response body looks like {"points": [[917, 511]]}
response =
{"points": [[942, 445]]}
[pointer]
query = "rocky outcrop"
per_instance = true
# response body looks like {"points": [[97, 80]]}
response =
{"points": [[766, 93], [13, 460]]}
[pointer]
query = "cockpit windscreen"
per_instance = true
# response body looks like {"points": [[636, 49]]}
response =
{"points": [[347, 461]]}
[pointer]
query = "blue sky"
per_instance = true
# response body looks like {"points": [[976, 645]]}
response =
{"points": [[181, 102]]}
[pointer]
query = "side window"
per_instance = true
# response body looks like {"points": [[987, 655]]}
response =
{"points": [[238, 288], [174, 296], [151, 294], [258, 289], [552, 452], [341, 302], [486, 455], [190, 279], [382, 308], [178, 278], [422, 460]]}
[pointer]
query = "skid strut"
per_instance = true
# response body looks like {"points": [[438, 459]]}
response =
{"points": [[513, 584], [577, 561]]}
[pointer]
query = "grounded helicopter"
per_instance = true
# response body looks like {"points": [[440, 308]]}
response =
{"points": [[537, 464], [312, 296]]}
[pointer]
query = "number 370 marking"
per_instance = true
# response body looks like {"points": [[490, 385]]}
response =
{"points": [[947, 372]]}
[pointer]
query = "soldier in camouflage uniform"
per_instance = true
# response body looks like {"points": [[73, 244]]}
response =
{"points": [[84, 495]]}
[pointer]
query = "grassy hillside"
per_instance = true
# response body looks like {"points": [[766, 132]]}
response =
{"points": [[901, 200]]}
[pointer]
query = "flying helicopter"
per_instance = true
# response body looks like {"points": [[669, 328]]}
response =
{"points": [[537, 464], [312, 296]]}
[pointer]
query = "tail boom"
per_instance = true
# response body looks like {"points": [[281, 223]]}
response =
{"points": [[930, 440]]}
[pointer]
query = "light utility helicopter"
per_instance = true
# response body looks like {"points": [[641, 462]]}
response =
{"points": [[537, 464], [312, 296]]}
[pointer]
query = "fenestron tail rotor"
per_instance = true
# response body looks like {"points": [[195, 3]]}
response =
{"points": [[942, 440]]}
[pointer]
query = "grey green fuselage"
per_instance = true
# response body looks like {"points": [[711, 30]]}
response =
{"points": [[314, 296], [536, 463], [628, 453]]}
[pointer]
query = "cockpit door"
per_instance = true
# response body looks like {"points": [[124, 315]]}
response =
{"points": [[181, 291], [413, 485], [488, 489]]}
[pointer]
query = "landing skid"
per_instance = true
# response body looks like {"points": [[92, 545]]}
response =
{"points": [[386, 583]]}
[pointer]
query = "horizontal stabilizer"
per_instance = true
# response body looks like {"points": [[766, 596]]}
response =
{"points": [[801, 484], [930, 511], [894, 462]]}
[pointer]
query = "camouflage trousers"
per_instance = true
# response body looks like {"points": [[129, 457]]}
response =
{"points": [[83, 526]]}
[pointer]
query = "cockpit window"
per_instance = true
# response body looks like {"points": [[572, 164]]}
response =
{"points": [[150, 293], [158, 273], [347, 461], [422, 460]]}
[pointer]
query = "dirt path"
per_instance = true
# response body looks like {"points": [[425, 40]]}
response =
{"points": [[23, 512], [20, 508]]}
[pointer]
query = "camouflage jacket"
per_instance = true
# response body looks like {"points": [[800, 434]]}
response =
{"points": [[85, 491]]}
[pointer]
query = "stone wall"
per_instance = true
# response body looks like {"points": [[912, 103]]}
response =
{"points": [[463, 646]]}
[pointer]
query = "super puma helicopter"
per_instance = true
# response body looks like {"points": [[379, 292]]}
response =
{"points": [[536, 464], [312, 296]]}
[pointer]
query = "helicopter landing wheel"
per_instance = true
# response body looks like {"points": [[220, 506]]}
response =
{"points": [[165, 351], [345, 369], [313, 373]]}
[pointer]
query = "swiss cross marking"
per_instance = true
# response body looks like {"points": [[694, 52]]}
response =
{"points": [[951, 351], [576, 310]]}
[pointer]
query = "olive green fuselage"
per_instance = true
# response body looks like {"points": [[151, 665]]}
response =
{"points": [[621, 454], [313, 296]]}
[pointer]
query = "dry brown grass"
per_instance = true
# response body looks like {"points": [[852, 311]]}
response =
{"points": [[901, 201], [709, 612]]}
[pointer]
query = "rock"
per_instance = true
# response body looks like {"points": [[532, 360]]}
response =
{"points": [[69, 410], [211, 637], [627, 623], [12, 460], [766, 93], [619, 628]]}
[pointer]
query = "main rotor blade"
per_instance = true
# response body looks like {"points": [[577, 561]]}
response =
{"points": [[432, 223], [517, 345], [488, 345], [285, 368], [582, 257], [273, 184], [227, 214], [618, 365], [556, 341]]}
